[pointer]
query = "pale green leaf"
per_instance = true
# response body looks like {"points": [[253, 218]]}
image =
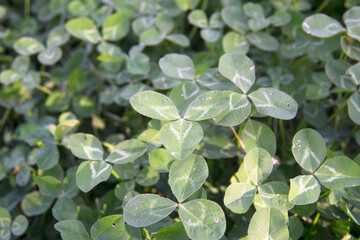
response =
{"points": [[9, 76], [239, 196], [187, 4], [238, 110], [352, 21], [184, 94], [256, 134], [154, 105], [268, 223], [91, 173], [263, 41], [354, 71], [198, 18], [147, 177], [111, 227], [354, 108], [27, 46], [50, 56], [48, 156], [146, 209], [65, 127], [203, 219], [275, 195], [164, 23], [235, 42], [321, 25], [84, 29], [339, 172], [35, 204], [64, 209], [304, 189], [49, 186], [126, 151], [296, 228], [175, 231], [309, 149], [72, 230], [181, 137], [258, 165], [188, 175], [207, 105], [5, 218], [350, 48], [177, 66], [57, 37], [336, 70], [86, 146], [179, 39], [235, 18], [274, 103], [213, 80], [116, 26], [19, 225], [210, 35], [151, 37], [160, 160], [239, 69]]}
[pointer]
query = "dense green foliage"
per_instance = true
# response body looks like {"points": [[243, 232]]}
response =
{"points": [[179, 119]]}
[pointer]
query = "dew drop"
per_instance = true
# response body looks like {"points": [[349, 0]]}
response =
{"points": [[217, 220]]}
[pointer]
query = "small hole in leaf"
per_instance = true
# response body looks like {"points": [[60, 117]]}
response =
{"points": [[113, 225], [217, 220], [287, 105]]}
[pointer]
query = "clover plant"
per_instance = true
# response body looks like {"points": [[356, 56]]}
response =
{"points": [[179, 119]]}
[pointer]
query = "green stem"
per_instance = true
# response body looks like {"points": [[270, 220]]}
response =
{"points": [[337, 111], [295, 4], [322, 6], [283, 138], [241, 144], [316, 219], [4, 118], [204, 5], [342, 55], [192, 33], [115, 175], [325, 194], [27, 8], [44, 89]]}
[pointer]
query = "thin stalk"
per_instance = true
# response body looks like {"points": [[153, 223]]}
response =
{"points": [[342, 55], [27, 8], [282, 136], [337, 111], [115, 175], [316, 219], [192, 33], [323, 6], [4, 118], [237, 137], [204, 5], [347, 236], [325, 194], [295, 4], [44, 89]]}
